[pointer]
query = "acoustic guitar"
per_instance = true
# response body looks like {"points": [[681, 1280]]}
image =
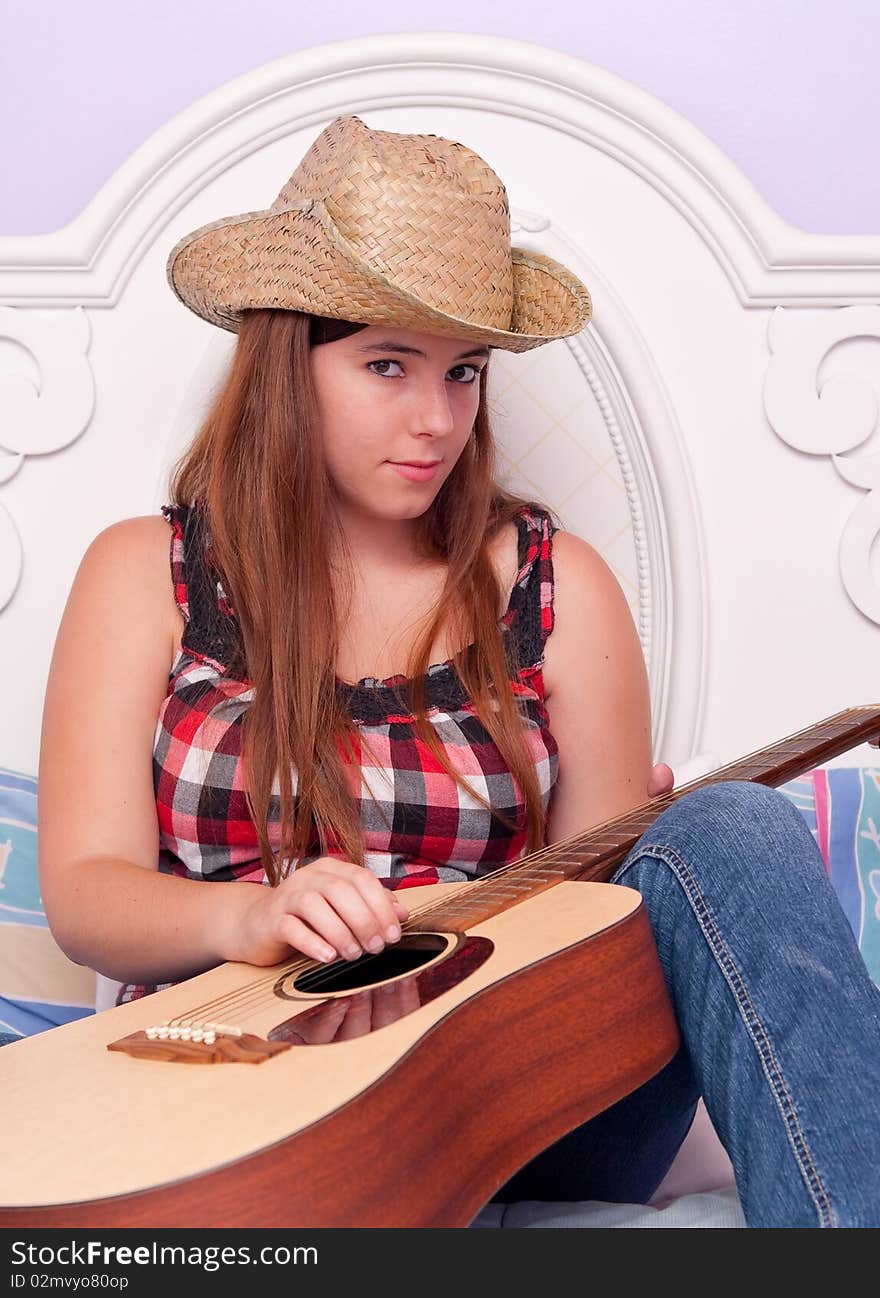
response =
{"points": [[396, 1090]]}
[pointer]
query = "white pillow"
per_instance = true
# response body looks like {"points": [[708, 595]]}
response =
{"points": [[700, 1164], [106, 990]]}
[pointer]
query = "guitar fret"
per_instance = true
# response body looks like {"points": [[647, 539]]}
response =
{"points": [[750, 771], [777, 760], [596, 853]]}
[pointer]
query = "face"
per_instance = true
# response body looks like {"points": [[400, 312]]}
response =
{"points": [[387, 396]]}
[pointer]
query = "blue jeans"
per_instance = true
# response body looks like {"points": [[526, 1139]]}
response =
{"points": [[779, 1019]]}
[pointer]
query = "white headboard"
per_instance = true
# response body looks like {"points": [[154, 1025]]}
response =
{"points": [[699, 432]]}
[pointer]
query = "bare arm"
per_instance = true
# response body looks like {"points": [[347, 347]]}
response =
{"points": [[598, 697], [98, 833]]}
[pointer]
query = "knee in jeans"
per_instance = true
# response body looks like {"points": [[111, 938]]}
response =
{"points": [[735, 801], [734, 812], [734, 792]]}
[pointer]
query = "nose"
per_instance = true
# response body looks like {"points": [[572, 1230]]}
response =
{"points": [[433, 411]]}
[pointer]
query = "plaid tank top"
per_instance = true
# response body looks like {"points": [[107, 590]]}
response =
{"points": [[435, 832]]}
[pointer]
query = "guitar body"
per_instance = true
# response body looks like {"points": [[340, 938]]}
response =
{"points": [[521, 1005], [516, 1032]]}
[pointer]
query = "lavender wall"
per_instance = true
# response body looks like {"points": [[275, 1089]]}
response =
{"points": [[788, 88]]}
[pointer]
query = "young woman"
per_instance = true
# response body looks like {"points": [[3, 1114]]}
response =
{"points": [[367, 666]]}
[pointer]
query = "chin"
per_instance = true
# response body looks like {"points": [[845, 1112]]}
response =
{"points": [[414, 510], [389, 512]]}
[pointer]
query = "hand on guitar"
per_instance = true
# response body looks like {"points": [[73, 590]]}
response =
{"points": [[326, 909], [330, 908], [661, 780]]}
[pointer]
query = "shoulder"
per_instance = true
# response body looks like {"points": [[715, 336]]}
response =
{"points": [[139, 545], [141, 533], [574, 560], [585, 589], [131, 561], [589, 609]]}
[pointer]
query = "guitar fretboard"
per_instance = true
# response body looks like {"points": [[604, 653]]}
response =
{"points": [[596, 854]]}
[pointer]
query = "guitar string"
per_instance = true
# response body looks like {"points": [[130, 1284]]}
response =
{"points": [[326, 973], [251, 995]]}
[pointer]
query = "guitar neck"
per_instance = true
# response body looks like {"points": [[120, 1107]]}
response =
{"points": [[596, 854]]}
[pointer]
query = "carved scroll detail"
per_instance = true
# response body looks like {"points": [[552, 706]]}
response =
{"points": [[39, 418], [831, 420]]}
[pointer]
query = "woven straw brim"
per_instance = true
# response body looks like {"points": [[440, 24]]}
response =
{"points": [[295, 259]]}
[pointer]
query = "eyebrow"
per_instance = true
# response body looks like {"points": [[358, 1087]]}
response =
{"points": [[414, 351]]}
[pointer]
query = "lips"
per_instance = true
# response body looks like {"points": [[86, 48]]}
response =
{"points": [[421, 471], [416, 464]]}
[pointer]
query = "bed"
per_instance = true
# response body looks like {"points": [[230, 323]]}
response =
{"points": [[710, 432]]}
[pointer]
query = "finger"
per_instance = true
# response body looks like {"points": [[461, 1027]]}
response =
{"points": [[302, 938], [349, 900], [390, 907], [661, 780], [376, 920], [329, 915], [385, 916]]}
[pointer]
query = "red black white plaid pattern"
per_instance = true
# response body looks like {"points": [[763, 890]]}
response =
{"points": [[422, 828]]}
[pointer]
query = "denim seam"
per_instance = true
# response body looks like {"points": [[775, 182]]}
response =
{"points": [[753, 1023]]}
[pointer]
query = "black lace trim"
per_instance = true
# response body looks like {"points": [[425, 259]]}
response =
{"points": [[210, 632], [214, 634]]}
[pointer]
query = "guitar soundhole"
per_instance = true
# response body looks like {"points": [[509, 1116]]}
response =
{"points": [[362, 1007], [412, 952]]}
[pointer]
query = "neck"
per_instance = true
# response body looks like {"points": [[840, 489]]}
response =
{"points": [[379, 548]]}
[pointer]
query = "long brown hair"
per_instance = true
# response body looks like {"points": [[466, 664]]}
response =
{"points": [[256, 467]]}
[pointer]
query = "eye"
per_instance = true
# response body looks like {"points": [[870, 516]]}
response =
{"points": [[381, 374], [462, 374], [475, 372]]}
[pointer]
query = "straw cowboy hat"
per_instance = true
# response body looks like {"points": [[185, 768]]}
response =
{"points": [[379, 227]]}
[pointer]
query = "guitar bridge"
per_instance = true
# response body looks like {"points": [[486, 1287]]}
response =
{"points": [[198, 1043]]}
